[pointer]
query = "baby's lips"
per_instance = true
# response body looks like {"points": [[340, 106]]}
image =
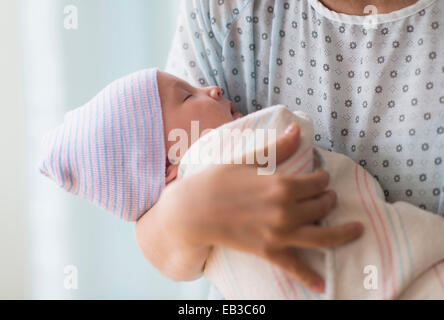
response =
{"points": [[237, 115]]}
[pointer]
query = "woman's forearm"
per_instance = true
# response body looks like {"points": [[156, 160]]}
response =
{"points": [[157, 240]]}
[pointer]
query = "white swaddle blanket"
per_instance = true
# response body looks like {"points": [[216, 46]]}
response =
{"points": [[399, 256]]}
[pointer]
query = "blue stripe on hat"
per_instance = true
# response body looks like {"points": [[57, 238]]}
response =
{"points": [[68, 155], [160, 134], [145, 136], [105, 149], [113, 148], [151, 117], [133, 98], [62, 174], [90, 153], [99, 176]]}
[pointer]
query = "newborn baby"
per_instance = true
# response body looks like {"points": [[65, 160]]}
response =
{"points": [[113, 152]]}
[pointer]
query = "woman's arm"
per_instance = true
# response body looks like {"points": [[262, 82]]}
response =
{"points": [[234, 207], [160, 245]]}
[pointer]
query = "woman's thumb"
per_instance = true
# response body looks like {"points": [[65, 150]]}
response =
{"points": [[288, 144]]}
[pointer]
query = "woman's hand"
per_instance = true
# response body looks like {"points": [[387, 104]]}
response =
{"points": [[233, 206]]}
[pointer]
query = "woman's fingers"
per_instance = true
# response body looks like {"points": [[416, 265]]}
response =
{"points": [[309, 185], [311, 236], [288, 144], [287, 260], [309, 212], [315, 209], [281, 150]]}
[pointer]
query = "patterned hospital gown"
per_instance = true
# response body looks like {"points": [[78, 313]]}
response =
{"points": [[374, 88]]}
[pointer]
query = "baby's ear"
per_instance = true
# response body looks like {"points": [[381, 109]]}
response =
{"points": [[171, 173]]}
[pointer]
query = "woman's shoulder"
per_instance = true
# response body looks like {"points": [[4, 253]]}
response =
{"points": [[215, 15]]}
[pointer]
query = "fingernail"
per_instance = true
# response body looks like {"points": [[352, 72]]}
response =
{"points": [[293, 128]]}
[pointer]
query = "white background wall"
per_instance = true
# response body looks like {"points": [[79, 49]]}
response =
{"points": [[12, 155]]}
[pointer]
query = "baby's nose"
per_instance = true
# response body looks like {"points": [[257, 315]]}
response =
{"points": [[215, 92]]}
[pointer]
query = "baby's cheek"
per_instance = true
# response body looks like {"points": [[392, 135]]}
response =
{"points": [[214, 120]]}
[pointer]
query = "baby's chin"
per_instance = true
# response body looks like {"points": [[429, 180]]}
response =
{"points": [[233, 117]]}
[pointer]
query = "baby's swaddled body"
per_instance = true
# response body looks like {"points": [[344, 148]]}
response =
{"points": [[392, 260]]}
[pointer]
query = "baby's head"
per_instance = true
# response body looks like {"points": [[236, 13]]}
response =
{"points": [[113, 150], [183, 104]]}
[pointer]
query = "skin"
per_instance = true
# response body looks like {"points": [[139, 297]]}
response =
{"points": [[266, 215], [183, 103], [356, 7]]}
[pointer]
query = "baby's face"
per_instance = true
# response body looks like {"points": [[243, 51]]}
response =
{"points": [[183, 103]]}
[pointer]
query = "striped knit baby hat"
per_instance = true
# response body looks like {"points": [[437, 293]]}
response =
{"points": [[111, 151]]}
